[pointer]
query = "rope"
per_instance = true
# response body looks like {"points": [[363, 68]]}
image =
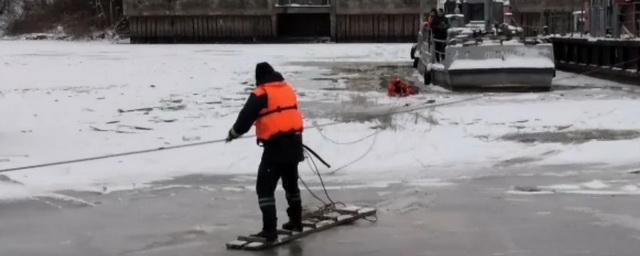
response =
{"points": [[114, 155], [373, 143], [309, 150], [137, 152], [317, 172], [311, 192], [344, 143], [314, 168], [430, 105]]}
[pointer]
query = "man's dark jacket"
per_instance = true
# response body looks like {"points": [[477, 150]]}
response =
{"points": [[439, 25]]}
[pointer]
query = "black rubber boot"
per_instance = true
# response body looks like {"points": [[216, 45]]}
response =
{"points": [[293, 226], [270, 237], [294, 212], [269, 223]]}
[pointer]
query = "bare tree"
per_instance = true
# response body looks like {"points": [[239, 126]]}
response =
{"points": [[3, 6], [7, 7]]}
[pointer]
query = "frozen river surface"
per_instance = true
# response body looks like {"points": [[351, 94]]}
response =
{"points": [[543, 173]]}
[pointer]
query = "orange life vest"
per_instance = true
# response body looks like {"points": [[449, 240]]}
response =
{"points": [[281, 114]]}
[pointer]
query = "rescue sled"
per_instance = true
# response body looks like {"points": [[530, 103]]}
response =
{"points": [[313, 223]]}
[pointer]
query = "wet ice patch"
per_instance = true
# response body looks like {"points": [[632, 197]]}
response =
{"points": [[430, 183], [384, 193], [379, 184], [63, 201], [564, 187], [176, 239], [518, 192], [567, 137], [517, 161], [171, 187], [561, 174], [234, 189], [608, 219], [244, 178], [529, 190], [406, 201], [12, 191], [532, 156], [595, 184], [630, 188], [594, 187], [7, 179]]}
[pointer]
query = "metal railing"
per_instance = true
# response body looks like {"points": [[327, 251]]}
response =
{"points": [[620, 58]]}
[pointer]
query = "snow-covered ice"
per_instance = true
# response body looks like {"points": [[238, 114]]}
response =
{"points": [[67, 100]]}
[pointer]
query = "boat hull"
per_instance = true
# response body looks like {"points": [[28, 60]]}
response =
{"points": [[525, 78]]}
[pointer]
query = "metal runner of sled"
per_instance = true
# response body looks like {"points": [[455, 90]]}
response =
{"points": [[314, 223]]}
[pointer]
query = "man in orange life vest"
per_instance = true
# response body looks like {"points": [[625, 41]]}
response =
{"points": [[273, 107]]}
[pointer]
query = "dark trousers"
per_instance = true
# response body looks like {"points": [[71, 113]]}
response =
{"points": [[268, 176], [440, 48]]}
